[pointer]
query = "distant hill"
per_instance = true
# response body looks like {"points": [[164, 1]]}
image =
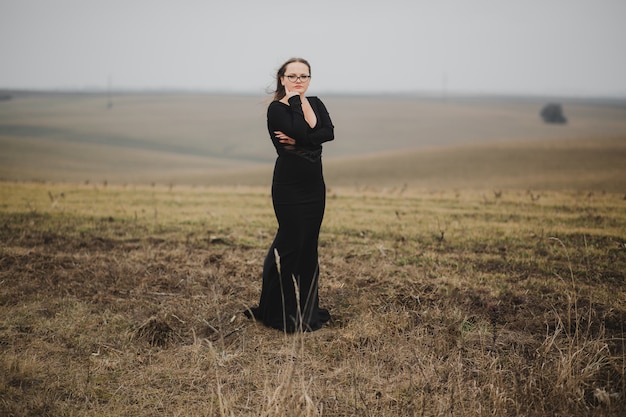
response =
{"points": [[382, 141], [559, 164]]}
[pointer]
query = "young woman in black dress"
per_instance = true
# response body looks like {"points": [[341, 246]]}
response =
{"points": [[298, 125]]}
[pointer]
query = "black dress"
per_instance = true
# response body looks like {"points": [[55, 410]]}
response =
{"points": [[289, 297]]}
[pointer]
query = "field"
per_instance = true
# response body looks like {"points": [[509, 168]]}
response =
{"points": [[388, 142], [128, 300], [481, 274]]}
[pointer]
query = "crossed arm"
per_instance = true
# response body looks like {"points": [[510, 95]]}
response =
{"points": [[292, 128]]}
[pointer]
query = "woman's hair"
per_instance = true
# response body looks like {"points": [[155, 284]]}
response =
{"points": [[279, 93]]}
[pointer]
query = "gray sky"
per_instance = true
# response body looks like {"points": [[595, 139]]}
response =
{"points": [[553, 47]]}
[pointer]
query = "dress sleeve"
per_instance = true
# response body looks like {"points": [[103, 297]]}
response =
{"points": [[290, 120], [324, 130]]}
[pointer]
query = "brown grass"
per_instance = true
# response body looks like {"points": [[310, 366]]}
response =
{"points": [[128, 300]]}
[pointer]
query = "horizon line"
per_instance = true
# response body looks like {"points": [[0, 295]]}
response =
{"points": [[424, 94]]}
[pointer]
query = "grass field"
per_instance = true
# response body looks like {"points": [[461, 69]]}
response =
{"points": [[127, 301], [473, 260]]}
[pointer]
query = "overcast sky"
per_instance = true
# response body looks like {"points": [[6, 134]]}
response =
{"points": [[552, 47]]}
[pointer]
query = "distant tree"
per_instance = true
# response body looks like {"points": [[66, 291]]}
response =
{"points": [[553, 113]]}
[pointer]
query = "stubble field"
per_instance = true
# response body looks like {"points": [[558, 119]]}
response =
{"points": [[128, 301], [473, 261]]}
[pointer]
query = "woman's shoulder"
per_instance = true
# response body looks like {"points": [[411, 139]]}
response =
{"points": [[316, 101], [277, 105]]}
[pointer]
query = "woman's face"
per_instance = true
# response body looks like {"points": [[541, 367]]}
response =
{"points": [[296, 77]]}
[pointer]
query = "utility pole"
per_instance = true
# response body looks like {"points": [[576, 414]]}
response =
{"points": [[109, 99]]}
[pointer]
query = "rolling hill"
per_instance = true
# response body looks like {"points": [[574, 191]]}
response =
{"points": [[380, 141]]}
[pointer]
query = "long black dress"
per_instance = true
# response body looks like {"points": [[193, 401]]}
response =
{"points": [[289, 297]]}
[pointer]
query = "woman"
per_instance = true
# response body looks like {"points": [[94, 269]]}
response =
{"points": [[298, 125]]}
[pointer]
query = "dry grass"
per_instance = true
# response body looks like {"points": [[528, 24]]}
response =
{"points": [[127, 301]]}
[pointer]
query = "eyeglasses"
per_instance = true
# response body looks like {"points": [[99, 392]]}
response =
{"points": [[293, 78]]}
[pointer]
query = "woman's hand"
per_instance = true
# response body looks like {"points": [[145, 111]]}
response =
{"points": [[289, 94], [284, 139]]}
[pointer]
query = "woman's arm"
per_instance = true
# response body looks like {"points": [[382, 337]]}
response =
{"points": [[324, 130], [290, 122], [279, 117]]}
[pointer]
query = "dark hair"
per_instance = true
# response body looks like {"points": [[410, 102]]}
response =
{"points": [[279, 93]]}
